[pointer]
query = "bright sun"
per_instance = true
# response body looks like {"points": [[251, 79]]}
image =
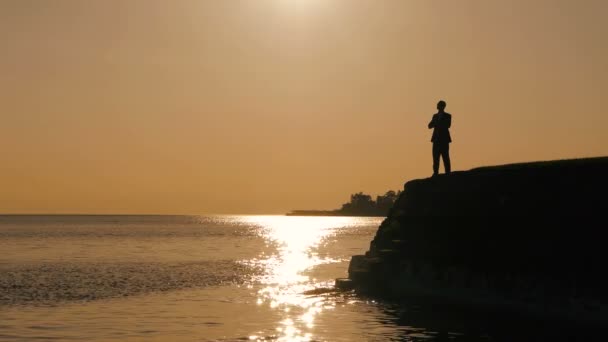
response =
{"points": [[302, 4]]}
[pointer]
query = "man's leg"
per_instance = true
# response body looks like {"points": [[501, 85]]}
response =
{"points": [[445, 155], [436, 153]]}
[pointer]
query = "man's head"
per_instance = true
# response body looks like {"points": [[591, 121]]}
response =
{"points": [[441, 105]]}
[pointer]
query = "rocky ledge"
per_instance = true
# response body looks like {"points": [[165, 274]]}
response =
{"points": [[522, 237]]}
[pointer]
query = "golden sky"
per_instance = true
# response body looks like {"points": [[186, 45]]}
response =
{"points": [[262, 106]]}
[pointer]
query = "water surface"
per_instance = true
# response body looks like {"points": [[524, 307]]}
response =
{"points": [[201, 278]]}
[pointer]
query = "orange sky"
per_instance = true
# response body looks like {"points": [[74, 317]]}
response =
{"points": [[262, 106]]}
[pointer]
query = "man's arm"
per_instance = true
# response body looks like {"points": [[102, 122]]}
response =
{"points": [[449, 121], [432, 123]]}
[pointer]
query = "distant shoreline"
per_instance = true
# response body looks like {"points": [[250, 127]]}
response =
{"points": [[328, 213]]}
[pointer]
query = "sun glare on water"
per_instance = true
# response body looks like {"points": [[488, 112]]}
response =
{"points": [[284, 281]]}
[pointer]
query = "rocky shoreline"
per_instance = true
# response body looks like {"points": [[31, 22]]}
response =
{"points": [[522, 237]]}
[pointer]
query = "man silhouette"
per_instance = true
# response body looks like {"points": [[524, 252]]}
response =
{"points": [[441, 139]]}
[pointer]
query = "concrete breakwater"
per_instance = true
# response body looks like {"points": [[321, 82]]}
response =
{"points": [[522, 237]]}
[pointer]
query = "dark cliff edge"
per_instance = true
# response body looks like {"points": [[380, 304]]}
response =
{"points": [[525, 237]]}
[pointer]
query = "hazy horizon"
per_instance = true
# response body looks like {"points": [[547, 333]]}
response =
{"points": [[262, 107]]}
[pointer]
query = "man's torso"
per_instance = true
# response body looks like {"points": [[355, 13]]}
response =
{"points": [[441, 132]]}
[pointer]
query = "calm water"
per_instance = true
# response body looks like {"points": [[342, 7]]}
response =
{"points": [[192, 278]]}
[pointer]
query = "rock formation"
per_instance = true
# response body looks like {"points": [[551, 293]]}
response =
{"points": [[524, 237]]}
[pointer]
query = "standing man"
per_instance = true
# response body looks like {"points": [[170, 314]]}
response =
{"points": [[441, 139]]}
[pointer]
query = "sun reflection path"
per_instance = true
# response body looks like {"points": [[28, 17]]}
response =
{"points": [[284, 283]]}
